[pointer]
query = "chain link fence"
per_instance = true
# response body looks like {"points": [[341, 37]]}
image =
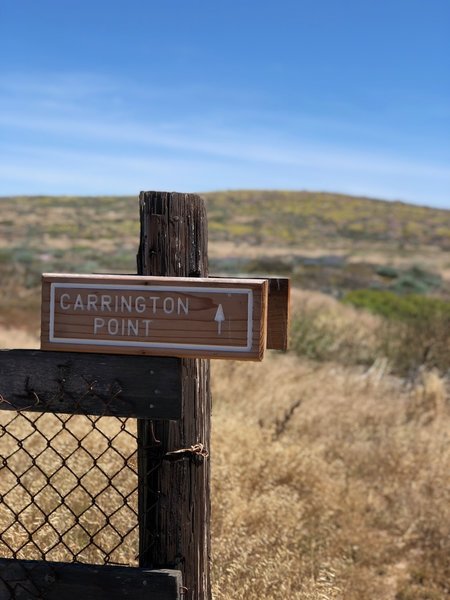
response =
{"points": [[68, 488]]}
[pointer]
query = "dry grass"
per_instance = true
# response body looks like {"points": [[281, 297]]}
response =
{"points": [[329, 482], [325, 329], [12, 337]]}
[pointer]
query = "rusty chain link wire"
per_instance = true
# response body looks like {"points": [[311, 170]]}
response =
{"points": [[68, 490]]}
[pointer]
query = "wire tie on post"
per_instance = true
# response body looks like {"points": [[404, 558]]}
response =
{"points": [[36, 398], [196, 450]]}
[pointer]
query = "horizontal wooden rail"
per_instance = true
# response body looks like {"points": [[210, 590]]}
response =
{"points": [[26, 579], [94, 384]]}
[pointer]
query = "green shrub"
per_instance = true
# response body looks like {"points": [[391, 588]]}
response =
{"points": [[402, 308], [416, 281], [409, 332], [387, 271], [5, 255], [416, 330], [312, 337]]}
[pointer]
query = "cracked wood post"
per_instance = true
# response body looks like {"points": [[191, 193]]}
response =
{"points": [[174, 492]]}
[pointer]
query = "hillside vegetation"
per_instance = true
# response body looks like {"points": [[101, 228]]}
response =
{"points": [[330, 462], [290, 218], [325, 242]]}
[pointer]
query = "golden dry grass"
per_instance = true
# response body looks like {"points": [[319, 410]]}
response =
{"points": [[329, 482], [13, 337]]}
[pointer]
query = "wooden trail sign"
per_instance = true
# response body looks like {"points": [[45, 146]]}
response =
{"points": [[184, 317]]}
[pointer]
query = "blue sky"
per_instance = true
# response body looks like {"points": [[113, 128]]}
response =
{"points": [[110, 97]]}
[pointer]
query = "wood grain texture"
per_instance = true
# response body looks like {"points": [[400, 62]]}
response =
{"points": [[278, 312], [94, 384], [278, 316], [163, 316], [26, 580], [174, 498]]}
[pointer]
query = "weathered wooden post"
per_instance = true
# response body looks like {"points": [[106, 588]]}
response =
{"points": [[174, 502]]}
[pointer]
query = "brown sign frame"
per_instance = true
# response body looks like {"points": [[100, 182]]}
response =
{"points": [[81, 313]]}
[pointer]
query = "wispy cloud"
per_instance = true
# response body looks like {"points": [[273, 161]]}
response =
{"points": [[60, 136], [264, 146]]}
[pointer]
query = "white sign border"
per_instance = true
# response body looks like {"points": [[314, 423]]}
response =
{"points": [[152, 288]]}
